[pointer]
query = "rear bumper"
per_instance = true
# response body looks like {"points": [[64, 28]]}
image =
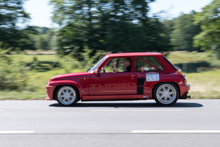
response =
{"points": [[49, 91], [184, 91]]}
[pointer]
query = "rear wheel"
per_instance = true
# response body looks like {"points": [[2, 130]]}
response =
{"points": [[67, 95], [166, 94]]}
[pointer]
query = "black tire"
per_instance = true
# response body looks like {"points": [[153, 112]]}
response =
{"points": [[166, 94], [68, 95]]}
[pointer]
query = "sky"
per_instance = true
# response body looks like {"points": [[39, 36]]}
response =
{"points": [[41, 12]]}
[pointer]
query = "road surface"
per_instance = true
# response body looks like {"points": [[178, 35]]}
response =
{"points": [[110, 123]]}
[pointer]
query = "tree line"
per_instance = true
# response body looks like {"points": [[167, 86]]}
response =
{"points": [[110, 26]]}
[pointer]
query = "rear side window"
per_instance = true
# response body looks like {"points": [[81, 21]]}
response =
{"points": [[147, 63]]}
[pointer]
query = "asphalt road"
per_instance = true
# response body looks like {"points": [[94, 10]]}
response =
{"points": [[110, 123]]}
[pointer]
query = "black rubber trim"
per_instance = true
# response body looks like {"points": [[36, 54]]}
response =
{"points": [[140, 81], [185, 96], [140, 90]]}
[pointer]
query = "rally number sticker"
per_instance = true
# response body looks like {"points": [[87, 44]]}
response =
{"points": [[152, 77]]}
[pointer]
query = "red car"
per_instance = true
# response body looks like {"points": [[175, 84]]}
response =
{"points": [[122, 76]]}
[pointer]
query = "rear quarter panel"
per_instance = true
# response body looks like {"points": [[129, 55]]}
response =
{"points": [[168, 75]]}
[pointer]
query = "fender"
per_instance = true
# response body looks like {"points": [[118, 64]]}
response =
{"points": [[167, 81], [68, 82]]}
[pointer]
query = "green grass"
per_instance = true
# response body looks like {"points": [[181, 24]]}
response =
{"points": [[205, 84], [36, 86], [203, 59], [29, 58], [189, 57]]}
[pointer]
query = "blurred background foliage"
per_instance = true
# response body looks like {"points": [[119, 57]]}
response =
{"points": [[89, 29], [209, 19], [12, 74], [116, 26]]}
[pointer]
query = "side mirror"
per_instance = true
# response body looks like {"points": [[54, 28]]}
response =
{"points": [[97, 72]]}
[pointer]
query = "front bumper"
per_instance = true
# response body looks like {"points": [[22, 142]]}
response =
{"points": [[184, 91], [49, 91]]}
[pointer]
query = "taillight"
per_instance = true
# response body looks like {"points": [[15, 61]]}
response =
{"points": [[179, 72]]}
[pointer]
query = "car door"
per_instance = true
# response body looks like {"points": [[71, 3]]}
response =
{"points": [[122, 83]]}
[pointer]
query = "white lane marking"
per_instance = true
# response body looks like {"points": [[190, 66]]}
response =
{"points": [[16, 132], [135, 110], [175, 131]]}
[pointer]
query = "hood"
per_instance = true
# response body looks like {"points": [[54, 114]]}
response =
{"points": [[74, 74], [70, 75]]}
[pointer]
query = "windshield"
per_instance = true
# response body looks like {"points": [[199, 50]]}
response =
{"points": [[97, 64]]}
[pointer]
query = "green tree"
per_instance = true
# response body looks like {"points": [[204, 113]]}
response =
{"points": [[209, 18], [12, 13], [42, 42], [169, 27], [130, 37], [184, 31], [118, 25], [45, 38]]}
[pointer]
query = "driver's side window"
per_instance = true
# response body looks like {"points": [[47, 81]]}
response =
{"points": [[120, 65]]}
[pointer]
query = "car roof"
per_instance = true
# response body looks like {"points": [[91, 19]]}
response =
{"points": [[135, 54]]}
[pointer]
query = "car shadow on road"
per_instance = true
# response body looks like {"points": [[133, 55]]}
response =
{"points": [[128, 105]]}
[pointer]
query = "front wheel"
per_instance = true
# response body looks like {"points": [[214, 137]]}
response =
{"points": [[67, 95], [166, 94]]}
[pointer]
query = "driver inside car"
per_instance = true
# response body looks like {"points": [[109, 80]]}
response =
{"points": [[127, 64]]}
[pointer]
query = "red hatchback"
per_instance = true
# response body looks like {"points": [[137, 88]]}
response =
{"points": [[122, 76]]}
